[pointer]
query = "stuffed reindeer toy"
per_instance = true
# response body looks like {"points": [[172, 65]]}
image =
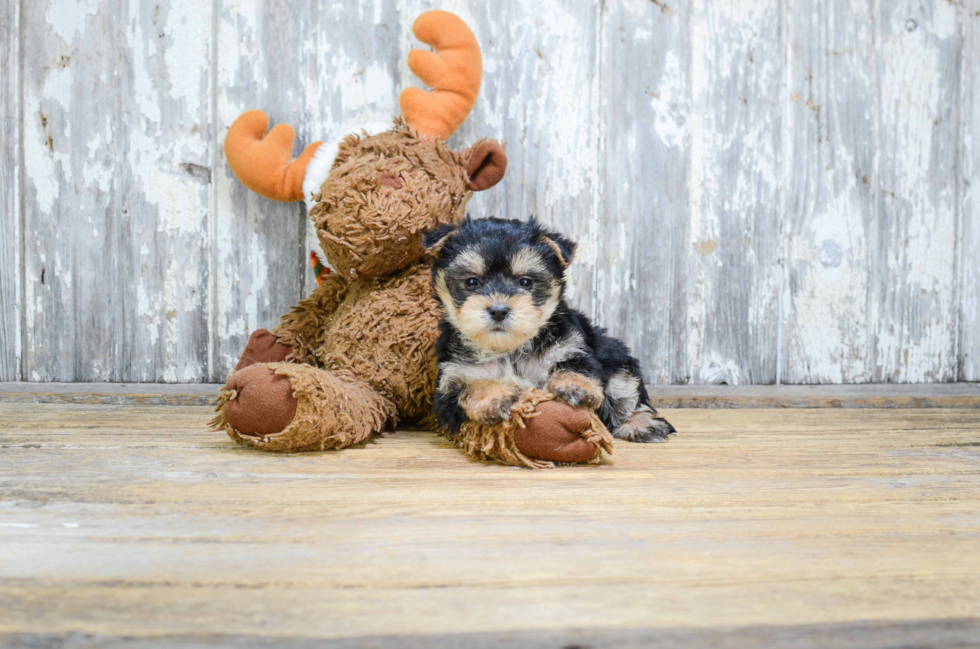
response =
{"points": [[359, 353]]}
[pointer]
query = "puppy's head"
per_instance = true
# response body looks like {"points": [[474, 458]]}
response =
{"points": [[499, 281]]}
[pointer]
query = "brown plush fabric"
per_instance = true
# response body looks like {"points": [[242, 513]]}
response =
{"points": [[306, 324], [374, 323], [333, 410], [487, 165], [258, 402], [556, 434], [384, 332], [544, 443], [360, 350], [262, 347], [368, 228]]}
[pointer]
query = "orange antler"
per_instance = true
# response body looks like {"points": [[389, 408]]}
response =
{"points": [[265, 164], [453, 72]]}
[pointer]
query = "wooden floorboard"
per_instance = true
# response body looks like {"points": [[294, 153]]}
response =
{"points": [[134, 525], [854, 635]]}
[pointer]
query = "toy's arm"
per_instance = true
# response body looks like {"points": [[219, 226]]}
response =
{"points": [[302, 328]]}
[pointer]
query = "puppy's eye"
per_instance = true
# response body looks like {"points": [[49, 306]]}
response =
{"points": [[525, 282], [472, 282]]}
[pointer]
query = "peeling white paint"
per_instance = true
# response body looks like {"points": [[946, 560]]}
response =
{"points": [[39, 166], [98, 171], [671, 104], [830, 172], [46, 156], [67, 20], [571, 169], [872, 291], [191, 39], [916, 341], [179, 201], [968, 340]]}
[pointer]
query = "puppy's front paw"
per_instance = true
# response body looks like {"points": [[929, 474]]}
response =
{"points": [[644, 425], [489, 402], [576, 390]]}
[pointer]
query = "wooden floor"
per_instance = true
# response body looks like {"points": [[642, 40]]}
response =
{"points": [[132, 525]]}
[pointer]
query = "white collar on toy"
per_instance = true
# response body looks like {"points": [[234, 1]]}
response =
{"points": [[319, 167]]}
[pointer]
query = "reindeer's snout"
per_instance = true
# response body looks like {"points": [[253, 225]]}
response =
{"points": [[391, 180]]}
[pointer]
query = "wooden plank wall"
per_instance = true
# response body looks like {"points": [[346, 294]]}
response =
{"points": [[763, 191], [10, 249], [117, 151], [968, 192]]}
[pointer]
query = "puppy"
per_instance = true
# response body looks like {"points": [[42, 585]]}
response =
{"points": [[506, 328]]}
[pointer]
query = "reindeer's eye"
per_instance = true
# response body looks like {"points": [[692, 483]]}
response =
{"points": [[472, 282], [525, 282]]}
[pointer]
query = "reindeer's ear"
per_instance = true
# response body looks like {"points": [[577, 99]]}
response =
{"points": [[434, 240], [487, 164]]}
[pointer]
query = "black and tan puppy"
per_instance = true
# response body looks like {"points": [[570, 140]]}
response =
{"points": [[506, 328]]}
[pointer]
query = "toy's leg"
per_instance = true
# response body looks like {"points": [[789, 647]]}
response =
{"points": [[539, 433], [263, 347], [295, 407]]}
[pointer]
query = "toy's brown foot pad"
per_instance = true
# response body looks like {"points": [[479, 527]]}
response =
{"points": [[289, 407], [539, 432], [554, 434], [260, 402], [263, 347]]}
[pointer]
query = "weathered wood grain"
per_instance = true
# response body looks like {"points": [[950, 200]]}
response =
{"points": [[10, 240], [117, 149], [257, 266], [645, 208], [323, 67], [968, 194], [944, 632], [730, 290], [912, 308], [140, 394], [539, 96], [778, 190], [761, 517], [830, 191]]}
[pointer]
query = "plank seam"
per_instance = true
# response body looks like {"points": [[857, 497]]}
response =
{"points": [[875, 234], [20, 358], [784, 189], [212, 220], [600, 143], [958, 202]]}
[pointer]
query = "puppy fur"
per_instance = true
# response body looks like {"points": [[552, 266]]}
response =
{"points": [[506, 327]]}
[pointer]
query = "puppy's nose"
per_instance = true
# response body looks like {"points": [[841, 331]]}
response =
{"points": [[498, 312]]}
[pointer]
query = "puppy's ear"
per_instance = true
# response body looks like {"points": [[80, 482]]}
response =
{"points": [[434, 240], [563, 248]]}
